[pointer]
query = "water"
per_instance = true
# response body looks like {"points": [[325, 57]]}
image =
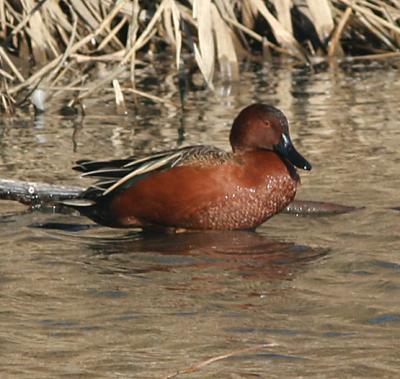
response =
{"points": [[91, 302]]}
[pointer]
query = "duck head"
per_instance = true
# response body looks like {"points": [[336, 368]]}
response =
{"points": [[260, 126]]}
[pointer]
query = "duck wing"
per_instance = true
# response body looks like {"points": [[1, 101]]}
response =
{"points": [[115, 175]]}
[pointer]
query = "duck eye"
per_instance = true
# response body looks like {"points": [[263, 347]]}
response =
{"points": [[267, 124]]}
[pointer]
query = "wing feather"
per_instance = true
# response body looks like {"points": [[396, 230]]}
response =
{"points": [[120, 173]]}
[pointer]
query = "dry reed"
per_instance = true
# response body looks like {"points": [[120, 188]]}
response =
{"points": [[44, 44]]}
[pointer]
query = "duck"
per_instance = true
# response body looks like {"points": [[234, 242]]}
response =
{"points": [[199, 187]]}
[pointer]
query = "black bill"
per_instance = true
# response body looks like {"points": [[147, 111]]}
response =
{"points": [[287, 150]]}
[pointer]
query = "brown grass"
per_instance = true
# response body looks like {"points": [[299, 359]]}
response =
{"points": [[52, 44]]}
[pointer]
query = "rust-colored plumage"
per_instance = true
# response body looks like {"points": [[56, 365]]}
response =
{"points": [[200, 187]]}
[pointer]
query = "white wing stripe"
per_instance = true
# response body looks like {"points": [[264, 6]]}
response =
{"points": [[152, 166]]}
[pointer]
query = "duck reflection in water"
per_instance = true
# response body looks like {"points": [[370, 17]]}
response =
{"points": [[248, 254]]}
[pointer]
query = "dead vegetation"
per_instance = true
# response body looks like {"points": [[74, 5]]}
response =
{"points": [[79, 47]]}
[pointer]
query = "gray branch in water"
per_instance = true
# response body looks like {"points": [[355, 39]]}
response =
{"points": [[35, 194], [309, 207], [42, 194]]}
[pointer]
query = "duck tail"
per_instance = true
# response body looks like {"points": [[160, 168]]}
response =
{"points": [[91, 209]]}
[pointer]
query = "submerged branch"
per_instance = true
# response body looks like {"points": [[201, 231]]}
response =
{"points": [[42, 194], [200, 365]]}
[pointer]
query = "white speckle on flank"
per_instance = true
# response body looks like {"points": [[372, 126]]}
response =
{"points": [[247, 207]]}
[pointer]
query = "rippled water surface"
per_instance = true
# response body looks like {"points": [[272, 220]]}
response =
{"points": [[78, 301]]}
